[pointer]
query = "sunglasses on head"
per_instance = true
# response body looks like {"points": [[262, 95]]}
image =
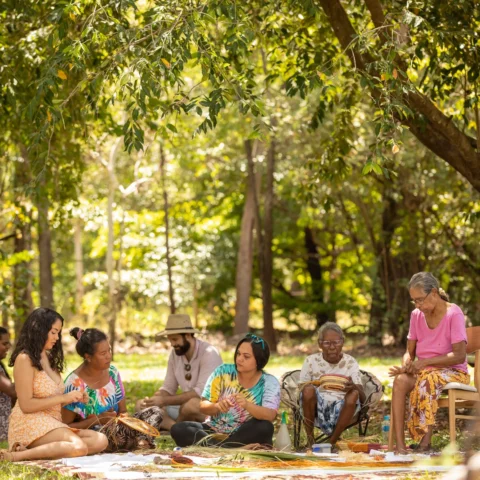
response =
{"points": [[188, 375], [256, 339]]}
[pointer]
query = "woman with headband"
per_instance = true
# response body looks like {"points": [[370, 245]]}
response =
{"points": [[240, 401]]}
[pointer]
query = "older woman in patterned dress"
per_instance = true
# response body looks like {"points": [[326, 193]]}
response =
{"points": [[435, 356], [331, 411]]}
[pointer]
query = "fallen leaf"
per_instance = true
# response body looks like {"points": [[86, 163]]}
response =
{"points": [[395, 73], [49, 116], [61, 74], [382, 76], [166, 62], [395, 149]]}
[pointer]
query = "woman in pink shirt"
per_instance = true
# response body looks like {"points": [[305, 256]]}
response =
{"points": [[438, 339]]}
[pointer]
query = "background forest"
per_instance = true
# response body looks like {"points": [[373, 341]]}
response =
{"points": [[270, 165]]}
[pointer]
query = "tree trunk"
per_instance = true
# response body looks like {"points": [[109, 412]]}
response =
{"points": [[5, 317], [44, 247], [22, 272], [381, 293], [195, 304], [432, 127], [78, 255], [167, 230], [268, 328], [112, 186], [315, 271], [243, 280]]}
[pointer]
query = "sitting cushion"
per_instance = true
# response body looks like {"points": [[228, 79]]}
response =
{"points": [[459, 386]]}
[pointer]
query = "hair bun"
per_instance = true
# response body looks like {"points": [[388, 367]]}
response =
{"points": [[443, 294], [74, 332]]}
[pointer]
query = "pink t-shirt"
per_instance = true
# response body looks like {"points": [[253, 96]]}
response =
{"points": [[438, 341]]}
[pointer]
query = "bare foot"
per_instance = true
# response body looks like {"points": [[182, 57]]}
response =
{"points": [[6, 456], [253, 446], [402, 451], [424, 448], [144, 445]]}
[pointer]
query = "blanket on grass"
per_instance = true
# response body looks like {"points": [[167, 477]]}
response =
{"points": [[132, 466]]}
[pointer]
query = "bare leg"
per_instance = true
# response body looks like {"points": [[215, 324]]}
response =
{"points": [[139, 405], [96, 442], [167, 422], [59, 443], [402, 386], [426, 441], [346, 415], [309, 405], [190, 411]]}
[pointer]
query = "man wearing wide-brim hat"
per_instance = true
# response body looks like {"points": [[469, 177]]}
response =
{"points": [[189, 365]]}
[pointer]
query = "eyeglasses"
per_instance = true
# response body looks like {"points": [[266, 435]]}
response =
{"points": [[327, 343], [419, 301], [188, 375], [256, 339]]}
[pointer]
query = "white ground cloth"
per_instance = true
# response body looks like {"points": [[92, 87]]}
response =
{"points": [[113, 467]]}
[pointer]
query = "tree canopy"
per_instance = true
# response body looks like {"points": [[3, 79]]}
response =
{"points": [[332, 146]]}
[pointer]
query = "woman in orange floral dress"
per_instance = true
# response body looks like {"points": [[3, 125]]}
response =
{"points": [[437, 339], [36, 430]]}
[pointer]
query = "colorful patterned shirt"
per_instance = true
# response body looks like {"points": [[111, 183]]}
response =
{"points": [[223, 383], [101, 399]]}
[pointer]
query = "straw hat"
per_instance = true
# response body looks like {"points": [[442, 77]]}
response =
{"points": [[178, 323]]}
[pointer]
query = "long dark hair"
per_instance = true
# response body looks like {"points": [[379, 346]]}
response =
{"points": [[4, 331], [87, 340], [34, 335]]}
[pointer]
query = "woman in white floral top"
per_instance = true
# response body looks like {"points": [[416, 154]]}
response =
{"points": [[330, 410]]}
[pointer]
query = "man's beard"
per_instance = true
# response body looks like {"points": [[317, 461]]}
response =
{"points": [[183, 349]]}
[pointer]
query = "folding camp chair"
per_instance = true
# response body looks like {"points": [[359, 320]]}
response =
{"points": [[290, 398]]}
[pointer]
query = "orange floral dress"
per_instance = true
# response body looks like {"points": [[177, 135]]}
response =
{"points": [[25, 428]]}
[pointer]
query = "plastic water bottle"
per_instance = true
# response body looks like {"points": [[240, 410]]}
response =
{"points": [[282, 440], [385, 428]]}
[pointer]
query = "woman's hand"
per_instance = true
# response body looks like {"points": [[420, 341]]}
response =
{"points": [[394, 371], [74, 396], [241, 401], [223, 406], [350, 386], [103, 418], [415, 367]]}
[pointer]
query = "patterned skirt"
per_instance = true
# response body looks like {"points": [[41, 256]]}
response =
{"points": [[424, 397], [329, 406], [122, 438]]}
